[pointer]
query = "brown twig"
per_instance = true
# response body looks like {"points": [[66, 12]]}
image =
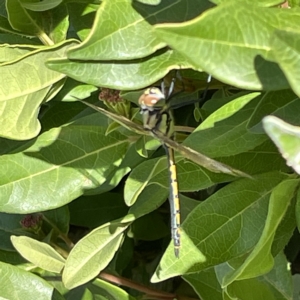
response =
{"points": [[150, 292]]}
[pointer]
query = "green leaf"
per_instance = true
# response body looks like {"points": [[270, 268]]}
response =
{"points": [[279, 103], [22, 285], [285, 230], [109, 291], [41, 6], [21, 98], [117, 38], [82, 16], [205, 284], [6, 27], [296, 283], [241, 58], [225, 132], [263, 3], [74, 90], [140, 177], [228, 224], [92, 254], [147, 186], [69, 160], [129, 162], [279, 279], [58, 113], [150, 2], [56, 23], [13, 258], [287, 138], [263, 158], [245, 289], [98, 289], [124, 37], [94, 211], [297, 211], [39, 253], [10, 53], [227, 110], [10, 224], [287, 52], [121, 75], [276, 284], [58, 218], [260, 260], [20, 19]]}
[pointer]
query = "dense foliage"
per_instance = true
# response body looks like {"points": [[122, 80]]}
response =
{"points": [[83, 208]]}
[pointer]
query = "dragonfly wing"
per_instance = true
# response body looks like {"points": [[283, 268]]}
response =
{"points": [[119, 119], [199, 158]]}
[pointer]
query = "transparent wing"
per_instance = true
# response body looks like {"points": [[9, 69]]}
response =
{"points": [[197, 157]]}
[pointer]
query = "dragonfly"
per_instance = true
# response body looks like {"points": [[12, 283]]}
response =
{"points": [[158, 122]]}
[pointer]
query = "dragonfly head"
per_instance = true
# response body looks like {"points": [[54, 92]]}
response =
{"points": [[152, 98]]}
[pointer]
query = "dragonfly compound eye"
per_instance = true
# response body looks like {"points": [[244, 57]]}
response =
{"points": [[151, 97]]}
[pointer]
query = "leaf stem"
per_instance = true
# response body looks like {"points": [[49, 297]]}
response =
{"points": [[150, 292], [45, 39]]}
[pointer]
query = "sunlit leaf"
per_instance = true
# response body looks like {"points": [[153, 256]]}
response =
{"points": [[38, 253], [20, 100], [92, 254], [287, 139], [241, 219], [217, 52], [19, 285], [260, 260]]}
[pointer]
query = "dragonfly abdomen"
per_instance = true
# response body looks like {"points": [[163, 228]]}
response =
{"points": [[174, 201]]}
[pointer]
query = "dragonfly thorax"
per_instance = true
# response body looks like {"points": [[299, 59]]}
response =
{"points": [[156, 116]]}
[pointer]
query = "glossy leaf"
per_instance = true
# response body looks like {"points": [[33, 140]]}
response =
{"points": [[70, 159], [279, 103], [274, 285], [245, 289], [21, 98], [286, 50], [115, 74], [217, 52], [205, 284], [10, 53], [239, 214], [82, 17], [38, 253], [124, 37], [41, 6], [19, 285], [117, 40], [260, 260], [98, 289], [20, 19], [92, 254], [287, 138], [224, 132]]}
